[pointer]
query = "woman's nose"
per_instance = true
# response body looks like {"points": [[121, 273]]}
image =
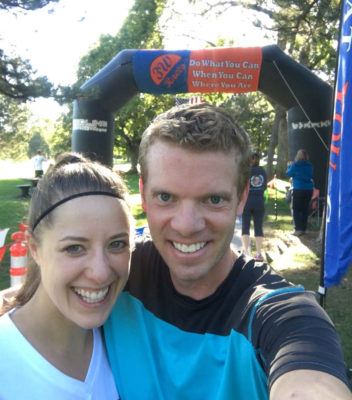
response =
{"points": [[99, 269]]}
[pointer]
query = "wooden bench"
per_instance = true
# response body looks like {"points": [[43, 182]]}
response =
{"points": [[33, 181], [24, 189]]}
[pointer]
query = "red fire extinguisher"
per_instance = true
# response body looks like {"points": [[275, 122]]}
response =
{"points": [[18, 250]]}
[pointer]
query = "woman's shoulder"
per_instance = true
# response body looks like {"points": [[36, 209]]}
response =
{"points": [[5, 321], [9, 334], [304, 162], [255, 169]]}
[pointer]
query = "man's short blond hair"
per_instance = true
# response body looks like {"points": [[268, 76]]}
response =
{"points": [[198, 128]]}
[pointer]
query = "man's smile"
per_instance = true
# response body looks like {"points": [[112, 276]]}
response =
{"points": [[189, 248]]}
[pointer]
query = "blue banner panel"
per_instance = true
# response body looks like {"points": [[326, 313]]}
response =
{"points": [[161, 71], [231, 70], [338, 245]]}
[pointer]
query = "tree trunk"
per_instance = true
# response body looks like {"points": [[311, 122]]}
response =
{"points": [[270, 169], [282, 148], [134, 160]]}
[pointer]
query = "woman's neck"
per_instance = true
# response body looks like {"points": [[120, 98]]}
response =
{"points": [[61, 342]]}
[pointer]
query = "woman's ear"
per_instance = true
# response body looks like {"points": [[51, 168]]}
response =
{"points": [[141, 190], [32, 246]]}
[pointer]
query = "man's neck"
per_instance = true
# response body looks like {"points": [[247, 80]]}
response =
{"points": [[205, 287]]}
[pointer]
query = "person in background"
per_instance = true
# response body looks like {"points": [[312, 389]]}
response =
{"points": [[38, 164], [197, 319], [255, 207], [79, 236], [301, 172]]}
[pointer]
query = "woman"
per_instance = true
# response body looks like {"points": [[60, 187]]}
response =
{"points": [[255, 207], [79, 237], [301, 172]]}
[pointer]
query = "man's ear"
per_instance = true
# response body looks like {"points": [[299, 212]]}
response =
{"points": [[243, 200], [32, 246], [141, 190]]}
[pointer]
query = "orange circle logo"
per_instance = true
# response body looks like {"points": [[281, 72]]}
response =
{"points": [[162, 65]]}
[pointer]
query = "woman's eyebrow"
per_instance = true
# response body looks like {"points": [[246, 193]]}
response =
{"points": [[73, 237], [84, 239]]}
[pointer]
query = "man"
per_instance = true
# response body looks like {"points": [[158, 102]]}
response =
{"points": [[38, 164], [198, 320]]}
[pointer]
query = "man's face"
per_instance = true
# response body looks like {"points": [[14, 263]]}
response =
{"points": [[191, 202]]}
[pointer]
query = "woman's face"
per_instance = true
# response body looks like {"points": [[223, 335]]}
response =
{"points": [[84, 259]]}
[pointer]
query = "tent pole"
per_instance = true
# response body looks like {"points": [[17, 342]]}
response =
{"points": [[322, 290]]}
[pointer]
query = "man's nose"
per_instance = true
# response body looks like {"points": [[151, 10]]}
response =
{"points": [[188, 219]]}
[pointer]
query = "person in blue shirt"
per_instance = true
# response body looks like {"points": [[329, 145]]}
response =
{"points": [[301, 172]]}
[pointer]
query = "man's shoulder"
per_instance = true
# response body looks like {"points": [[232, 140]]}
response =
{"points": [[145, 256], [262, 277], [143, 246], [264, 291]]}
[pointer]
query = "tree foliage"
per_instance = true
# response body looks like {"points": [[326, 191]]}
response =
{"points": [[251, 110], [255, 114], [14, 136], [24, 4], [37, 142], [59, 138], [139, 31], [133, 119], [17, 81], [307, 30], [17, 78]]}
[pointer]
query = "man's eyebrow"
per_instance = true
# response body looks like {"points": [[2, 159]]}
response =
{"points": [[222, 193], [156, 190], [226, 194]]}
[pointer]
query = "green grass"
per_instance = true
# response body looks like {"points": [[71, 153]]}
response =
{"points": [[13, 208], [132, 182], [139, 215], [13, 211]]}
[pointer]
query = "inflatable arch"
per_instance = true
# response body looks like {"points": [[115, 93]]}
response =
{"points": [[306, 97]]}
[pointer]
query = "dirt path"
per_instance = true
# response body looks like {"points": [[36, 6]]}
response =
{"points": [[285, 250]]}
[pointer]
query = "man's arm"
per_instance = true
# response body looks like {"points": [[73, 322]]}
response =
{"points": [[309, 385]]}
